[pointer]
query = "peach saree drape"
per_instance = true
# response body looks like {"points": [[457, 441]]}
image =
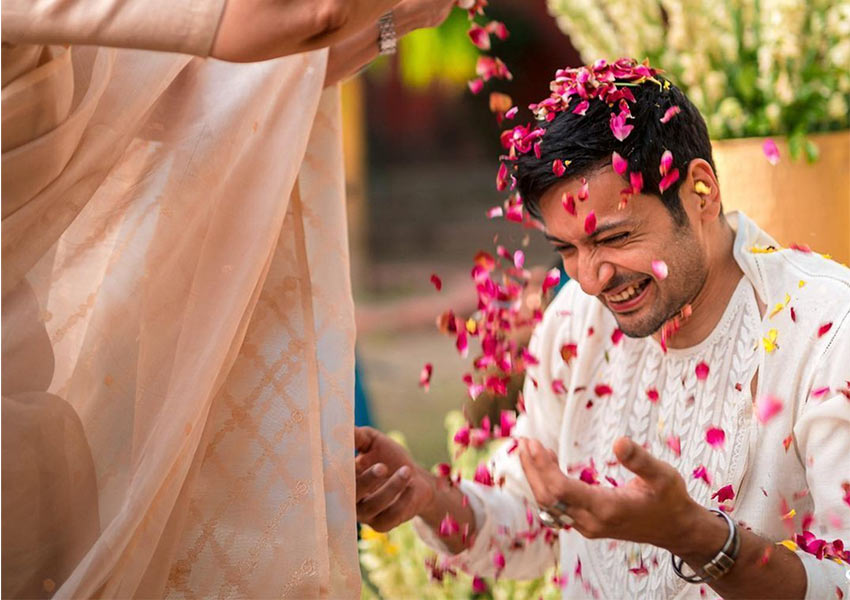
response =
{"points": [[177, 328]]}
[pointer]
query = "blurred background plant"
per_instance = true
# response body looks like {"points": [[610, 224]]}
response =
{"points": [[394, 563], [753, 68]]}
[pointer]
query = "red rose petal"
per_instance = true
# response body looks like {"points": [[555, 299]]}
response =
{"points": [[590, 223], [701, 371]]}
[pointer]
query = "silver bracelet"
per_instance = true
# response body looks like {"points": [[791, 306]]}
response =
{"points": [[722, 562], [387, 40]]}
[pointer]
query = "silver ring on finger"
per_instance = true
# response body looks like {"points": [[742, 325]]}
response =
{"points": [[560, 507]]}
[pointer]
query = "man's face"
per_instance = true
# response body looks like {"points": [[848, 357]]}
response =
{"points": [[614, 263]]}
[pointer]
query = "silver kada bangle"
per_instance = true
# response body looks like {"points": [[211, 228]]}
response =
{"points": [[387, 39], [723, 561]]}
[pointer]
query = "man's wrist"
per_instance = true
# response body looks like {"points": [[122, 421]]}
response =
{"points": [[699, 536]]}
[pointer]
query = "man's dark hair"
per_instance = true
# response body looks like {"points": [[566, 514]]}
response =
{"points": [[587, 141]]}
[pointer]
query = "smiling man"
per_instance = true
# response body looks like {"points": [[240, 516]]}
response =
{"points": [[703, 415]]}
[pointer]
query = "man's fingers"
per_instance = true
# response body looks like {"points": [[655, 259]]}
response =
{"points": [[370, 480], [397, 512], [640, 462], [546, 479], [379, 500], [363, 438]]}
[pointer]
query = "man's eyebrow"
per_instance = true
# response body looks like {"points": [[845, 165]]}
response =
{"points": [[600, 229]]}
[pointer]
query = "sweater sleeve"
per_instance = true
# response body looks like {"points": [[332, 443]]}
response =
{"points": [[823, 436], [185, 26], [506, 516]]}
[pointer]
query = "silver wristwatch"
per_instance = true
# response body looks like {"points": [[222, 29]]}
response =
{"points": [[387, 41]]}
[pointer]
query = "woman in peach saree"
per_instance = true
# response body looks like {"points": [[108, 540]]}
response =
{"points": [[177, 318]]}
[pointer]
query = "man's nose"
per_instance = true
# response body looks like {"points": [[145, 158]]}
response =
{"points": [[593, 274]]}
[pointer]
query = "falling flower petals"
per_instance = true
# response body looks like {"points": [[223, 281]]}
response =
{"points": [[659, 269], [495, 212], [438, 283], [701, 371], [480, 37], [770, 150], [590, 223], [670, 113], [479, 586], [652, 394], [569, 352], [558, 387], [668, 180], [675, 444], [723, 494], [558, 167], [715, 437], [636, 180], [425, 376], [500, 103], [616, 336], [619, 163], [823, 329], [475, 85], [483, 475], [448, 526], [553, 278], [499, 561], [569, 204], [619, 127], [602, 390], [512, 112], [581, 108], [767, 407], [701, 473], [769, 342], [666, 162]]}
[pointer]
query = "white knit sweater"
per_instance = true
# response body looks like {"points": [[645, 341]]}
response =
{"points": [[808, 476]]}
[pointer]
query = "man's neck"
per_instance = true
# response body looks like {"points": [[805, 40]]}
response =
{"points": [[710, 303]]}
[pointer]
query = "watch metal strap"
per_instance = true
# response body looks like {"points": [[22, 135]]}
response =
{"points": [[387, 41]]}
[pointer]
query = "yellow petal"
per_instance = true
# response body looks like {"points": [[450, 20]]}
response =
{"points": [[789, 544], [801, 284]]}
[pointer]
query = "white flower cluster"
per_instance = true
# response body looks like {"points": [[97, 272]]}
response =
{"points": [[752, 67]]}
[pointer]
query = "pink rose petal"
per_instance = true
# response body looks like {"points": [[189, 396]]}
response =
{"points": [[553, 278], [558, 167], [512, 112], [483, 475], [619, 163], [823, 329], [701, 473], [618, 126], [498, 29], [480, 37], [425, 376], [659, 269], [666, 162], [495, 212], [668, 180], [616, 336], [636, 181], [770, 150], [581, 108], [715, 436], [438, 283], [767, 407], [723, 494], [590, 223], [448, 526], [558, 386], [602, 390], [670, 113], [475, 85], [701, 371], [675, 444], [652, 394], [569, 203], [479, 586]]}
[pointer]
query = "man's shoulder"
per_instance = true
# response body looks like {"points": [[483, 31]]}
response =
{"points": [[808, 277]]}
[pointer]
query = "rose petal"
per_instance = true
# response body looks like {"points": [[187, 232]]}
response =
{"points": [[480, 37], [569, 203], [659, 269], [495, 212], [581, 108], [770, 150], [425, 376], [715, 436], [448, 526], [619, 163], [616, 336], [670, 113], [675, 444], [701, 371], [636, 181], [652, 394], [499, 102], [723, 494], [823, 329], [701, 473], [498, 29], [668, 180], [438, 283], [666, 162], [558, 167], [767, 407], [569, 352], [512, 112], [602, 390], [553, 278], [475, 85], [590, 223]]}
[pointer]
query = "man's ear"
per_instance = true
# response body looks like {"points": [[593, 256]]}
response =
{"points": [[700, 190]]}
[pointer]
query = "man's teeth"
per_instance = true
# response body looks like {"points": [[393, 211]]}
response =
{"points": [[626, 294]]}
